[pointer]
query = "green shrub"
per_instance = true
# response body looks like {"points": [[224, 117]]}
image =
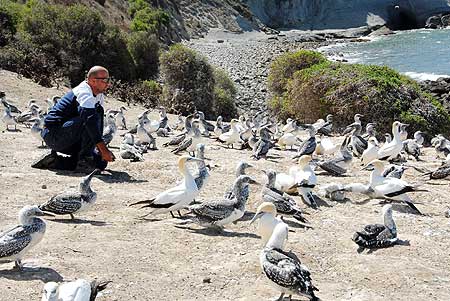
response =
{"points": [[283, 68], [149, 19], [189, 81], [147, 93], [10, 17], [224, 95], [381, 94], [144, 48]]}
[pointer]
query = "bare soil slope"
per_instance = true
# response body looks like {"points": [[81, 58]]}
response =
{"points": [[160, 260]]}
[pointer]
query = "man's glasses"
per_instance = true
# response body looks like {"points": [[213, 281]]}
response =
{"points": [[104, 79]]}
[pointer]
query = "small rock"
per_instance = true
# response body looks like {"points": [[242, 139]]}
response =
{"points": [[220, 41], [44, 186], [207, 280]]}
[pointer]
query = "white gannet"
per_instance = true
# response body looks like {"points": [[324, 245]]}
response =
{"points": [[110, 128], [283, 203], [290, 125], [241, 167], [284, 269], [14, 243], [391, 150], [225, 211], [371, 152], [232, 136], [205, 126], [177, 197], [305, 180], [193, 137], [378, 235], [71, 202], [324, 146], [78, 290], [130, 151], [266, 214], [418, 136], [308, 146]]}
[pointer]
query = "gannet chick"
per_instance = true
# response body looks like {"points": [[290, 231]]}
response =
{"points": [[178, 139], [232, 136], [128, 150], [240, 171], [78, 290], [144, 136], [283, 203], [333, 191], [371, 152], [357, 143], [442, 172], [350, 127], [263, 145], [177, 197], [14, 243], [71, 202], [391, 150], [110, 129], [36, 129], [327, 127], [223, 212], [284, 269], [202, 176], [403, 132], [418, 137], [266, 214], [308, 146], [120, 118], [370, 131], [377, 235], [442, 147], [338, 165], [324, 146], [25, 117], [179, 123]]}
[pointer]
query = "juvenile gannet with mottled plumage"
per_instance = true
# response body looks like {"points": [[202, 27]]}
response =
{"points": [[179, 123], [392, 149], [357, 143], [284, 269], [202, 175], [339, 164], [403, 132], [36, 129], [442, 147], [71, 202], [8, 119], [220, 128], [14, 243], [283, 203], [178, 139], [51, 102], [120, 118], [387, 138], [144, 136], [78, 290], [110, 129], [266, 214], [241, 167], [377, 235], [193, 137], [204, 125], [370, 131], [308, 146], [25, 117], [177, 197], [394, 171], [232, 136], [327, 127], [11, 107], [225, 211], [263, 145], [350, 127], [130, 151]]}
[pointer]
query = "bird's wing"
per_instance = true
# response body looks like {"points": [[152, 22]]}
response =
{"points": [[183, 146], [65, 203], [215, 210], [14, 240]]}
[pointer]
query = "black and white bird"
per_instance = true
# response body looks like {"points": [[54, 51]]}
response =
{"points": [[305, 180], [357, 143], [73, 202], [144, 136], [225, 211], [78, 290], [327, 127], [130, 151], [193, 137], [8, 119], [283, 202], [11, 107], [308, 146], [14, 243], [202, 175], [110, 128], [391, 150], [378, 235], [175, 198], [263, 145], [120, 118], [350, 127], [338, 165], [240, 171], [284, 269]]}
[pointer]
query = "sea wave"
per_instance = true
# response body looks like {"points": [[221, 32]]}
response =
{"points": [[424, 76]]}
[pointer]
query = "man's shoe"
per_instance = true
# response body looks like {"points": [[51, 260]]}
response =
{"points": [[46, 161]]}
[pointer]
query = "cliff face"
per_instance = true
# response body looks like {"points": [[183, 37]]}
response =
{"points": [[335, 14]]}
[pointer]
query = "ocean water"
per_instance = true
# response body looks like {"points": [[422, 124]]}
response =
{"points": [[421, 54]]}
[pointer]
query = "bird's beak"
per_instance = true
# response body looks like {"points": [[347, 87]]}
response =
{"points": [[257, 216], [42, 213]]}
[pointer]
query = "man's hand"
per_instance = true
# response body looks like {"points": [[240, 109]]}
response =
{"points": [[106, 154]]}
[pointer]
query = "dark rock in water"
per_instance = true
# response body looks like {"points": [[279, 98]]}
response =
{"points": [[445, 20], [433, 22], [220, 41], [382, 31]]}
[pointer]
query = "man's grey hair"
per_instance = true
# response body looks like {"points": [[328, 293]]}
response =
{"points": [[95, 70]]}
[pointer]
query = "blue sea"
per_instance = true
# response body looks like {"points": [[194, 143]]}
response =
{"points": [[421, 54]]}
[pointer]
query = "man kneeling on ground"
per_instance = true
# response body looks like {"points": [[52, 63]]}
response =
{"points": [[74, 126]]}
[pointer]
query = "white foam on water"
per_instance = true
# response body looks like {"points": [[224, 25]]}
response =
{"points": [[424, 76]]}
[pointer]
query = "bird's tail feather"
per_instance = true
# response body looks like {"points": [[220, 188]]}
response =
{"points": [[146, 202], [97, 287]]}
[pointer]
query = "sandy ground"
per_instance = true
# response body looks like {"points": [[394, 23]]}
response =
{"points": [[159, 260]]}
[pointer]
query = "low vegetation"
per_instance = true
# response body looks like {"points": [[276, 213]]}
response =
{"points": [[306, 86]]}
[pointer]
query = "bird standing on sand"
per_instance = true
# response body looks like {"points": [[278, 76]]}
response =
{"points": [[110, 129], [193, 137], [232, 136], [240, 171], [308, 146], [284, 269], [377, 235], [130, 151], [71, 202], [268, 220], [391, 150], [177, 197], [305, 180], [14, 243]]}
